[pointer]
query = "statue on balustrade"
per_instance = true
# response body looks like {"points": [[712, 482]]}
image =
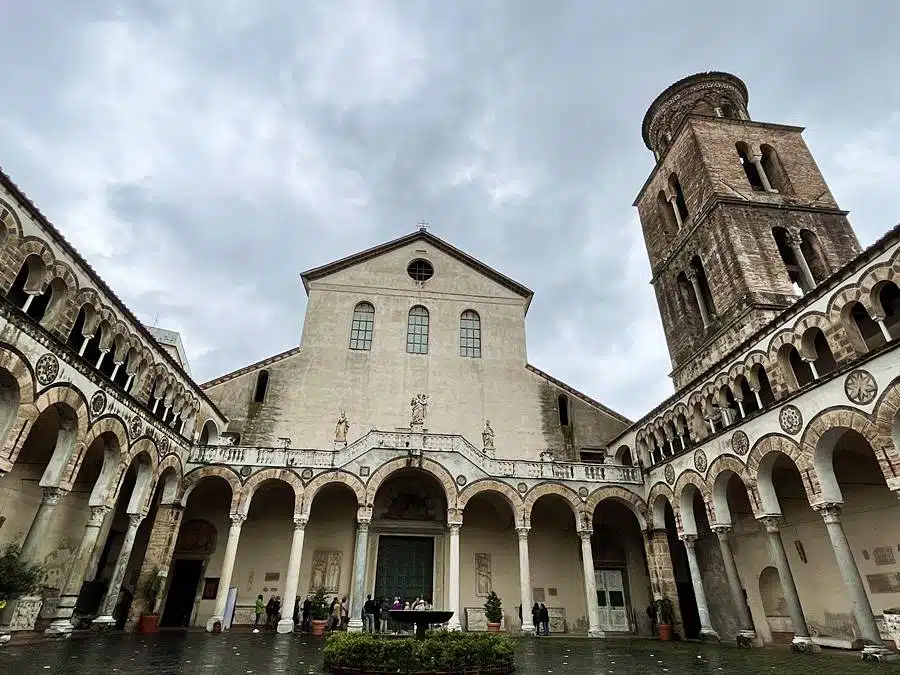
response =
{"points": [[341, 428]]}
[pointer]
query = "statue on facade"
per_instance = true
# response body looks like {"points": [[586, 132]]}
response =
{"points": [[487, 436], [419, 405], [341, 428]]}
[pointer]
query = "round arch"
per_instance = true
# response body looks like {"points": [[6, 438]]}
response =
{"points": [[169, 473], [327, 478], [194, 477], [687, 484], [544, 489], [626, 497], [759, 465], [429, 466], [718, 475], [659, 495], [286, 476], [66, 396], [485, 485], [107, 426]]}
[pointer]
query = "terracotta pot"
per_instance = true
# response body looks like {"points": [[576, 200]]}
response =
{"points": [[665, 631], [148, 623], [493, 627], [318, 626]]}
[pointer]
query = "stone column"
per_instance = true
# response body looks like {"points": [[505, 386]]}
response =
{"points": [[286, 623], [590, 584], [859, 601], [39, 531], [108, 606], [756, 160], [884, 330], [802, 640], [94, 561], [358, 594], [662, 575], [706, 629], [234, 536], [793, 241], [454, 623], [160, 548], [525, 579], [723, 532], [698, 293], [78, 568], [673, 200]]}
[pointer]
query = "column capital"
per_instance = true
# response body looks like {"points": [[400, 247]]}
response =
{"points": [[722, 531], [454, 529], [362, 524], [690, 273], [98, 515], [300, 522], [52, 495], [523, 533], [830, 511], [791, 239], [585, 534], [688, 539], [771, 523], [237, 519], [134, 519]]}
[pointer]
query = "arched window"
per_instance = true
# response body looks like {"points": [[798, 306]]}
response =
{"points": [[864, 333], [789, 258], [814, 256], [675, 187], [749, 167], [363, 326], [797, 372], [417, 331], [888, 296], [774, 169], [824, 358], [748, 399], [703, 284], [563, 404], [764, 387], [670, 225], [262, 386], [470, 334]]}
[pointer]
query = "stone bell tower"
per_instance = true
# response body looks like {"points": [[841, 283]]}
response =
{"points": [[737, 219]]}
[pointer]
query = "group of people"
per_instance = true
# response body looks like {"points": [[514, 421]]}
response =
{"points": [[540, 617], [376, 613], [272, 610], [338, 613]]}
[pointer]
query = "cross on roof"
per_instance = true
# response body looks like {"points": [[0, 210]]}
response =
{"points": [[423, 225]]}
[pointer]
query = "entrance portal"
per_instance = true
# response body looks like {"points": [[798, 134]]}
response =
{"points": [[182, 593], [405, 568]]}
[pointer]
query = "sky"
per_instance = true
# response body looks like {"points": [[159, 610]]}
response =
{"points": [[202, 154]]}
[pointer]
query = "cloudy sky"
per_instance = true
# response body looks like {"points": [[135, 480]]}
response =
{"points": [[202, 154]]}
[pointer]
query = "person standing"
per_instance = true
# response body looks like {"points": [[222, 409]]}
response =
{"points": [[270, 610], [384, 615], [536, 618], [307, 612], [369, 615], [259, 609], [345, 613], [545, 619]]}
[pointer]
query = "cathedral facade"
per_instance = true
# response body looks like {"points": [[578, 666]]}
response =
{"points": [[406, 448]]}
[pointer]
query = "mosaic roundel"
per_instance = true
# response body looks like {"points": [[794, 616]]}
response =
{"points": [[163, 445], [307, 474], [790, 419], [461, 480], [136, 426], [98, 402], [523, 488], [860, 387], [670, 474], [583, 492], [246, 471], [740, 443], [700, 462], [47, 368]]}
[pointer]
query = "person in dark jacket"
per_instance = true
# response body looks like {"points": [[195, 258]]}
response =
{"points": [[545, 619], [307, 613], [270, 611], [536, 618]]}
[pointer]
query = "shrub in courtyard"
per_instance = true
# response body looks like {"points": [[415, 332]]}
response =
{"points": [[18, 577], [439, 652]]}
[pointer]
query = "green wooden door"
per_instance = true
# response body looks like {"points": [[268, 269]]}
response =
{"points": [[405, 568]]}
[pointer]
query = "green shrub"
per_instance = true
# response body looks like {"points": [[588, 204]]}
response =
{"points": [[18, 577], [439, 652], [493, 610], [319, 605]]}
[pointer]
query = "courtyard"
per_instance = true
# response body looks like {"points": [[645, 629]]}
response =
{"points": [[242, 653]]}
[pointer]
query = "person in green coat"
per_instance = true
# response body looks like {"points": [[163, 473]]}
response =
{"points": [[260, 608]]}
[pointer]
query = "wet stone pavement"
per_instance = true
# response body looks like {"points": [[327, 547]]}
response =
{"points": [[243, 653]]}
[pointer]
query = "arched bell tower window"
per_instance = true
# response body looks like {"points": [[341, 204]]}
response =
{"points": [[680, 203], [792, 256], [749, 167], [262, 386], [774, 169], [670, 224]]}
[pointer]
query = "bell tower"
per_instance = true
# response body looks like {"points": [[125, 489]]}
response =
{"points": [[737, 218]]}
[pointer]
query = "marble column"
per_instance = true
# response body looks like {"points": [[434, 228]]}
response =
{"points": [[286, 623], [673, 200], [706, 629], [745, 622], [590, 584], [525, 579], [234, 536], [698, 293], [78, 568], [454, 623], [859, 601], [358, 594], [809, 282], [108, 606], [42, 522], [756, 160], [90, 573], [788, 587]]}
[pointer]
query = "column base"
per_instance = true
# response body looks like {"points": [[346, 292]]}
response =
{"points": [[285, 626], [747, 638], [211, 624], [103, 623], [454, 625], [804, 645], [709, 635], [879, 654], [355, 626], [596, 633], [528, 629], [60, 627]]}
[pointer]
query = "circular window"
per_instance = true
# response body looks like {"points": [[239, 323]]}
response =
{"points": [[420, 270]]}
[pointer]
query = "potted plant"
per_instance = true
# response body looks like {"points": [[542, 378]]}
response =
{"points": [[149, 589], [318, 612], [493, 612], [18, 577], [665, 617]]}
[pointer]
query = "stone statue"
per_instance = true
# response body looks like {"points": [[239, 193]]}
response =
{"points": [[419, 405], [333, 575], [341, 428], [487, 436], [318, 572], [483, 574]]}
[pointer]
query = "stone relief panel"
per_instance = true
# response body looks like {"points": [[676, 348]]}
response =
{"points": [[483, 574], [477, 621], [326, 570], [27, 609]]}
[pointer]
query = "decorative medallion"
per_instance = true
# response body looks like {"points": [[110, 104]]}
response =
{"points": [[364, 471], [740, 443], [700, 461], [98, 402], [246, 471], [307, 474], [47, 368], [860, 387], [163, 445], [136, 426], [790, 419], [583, 492], [461, 480], [670, 474], [522, 488]]}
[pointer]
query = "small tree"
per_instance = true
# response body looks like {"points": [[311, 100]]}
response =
{"points": [[319, 609], [665, 611], [18, 577], [493, 609], [150, 588]]}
